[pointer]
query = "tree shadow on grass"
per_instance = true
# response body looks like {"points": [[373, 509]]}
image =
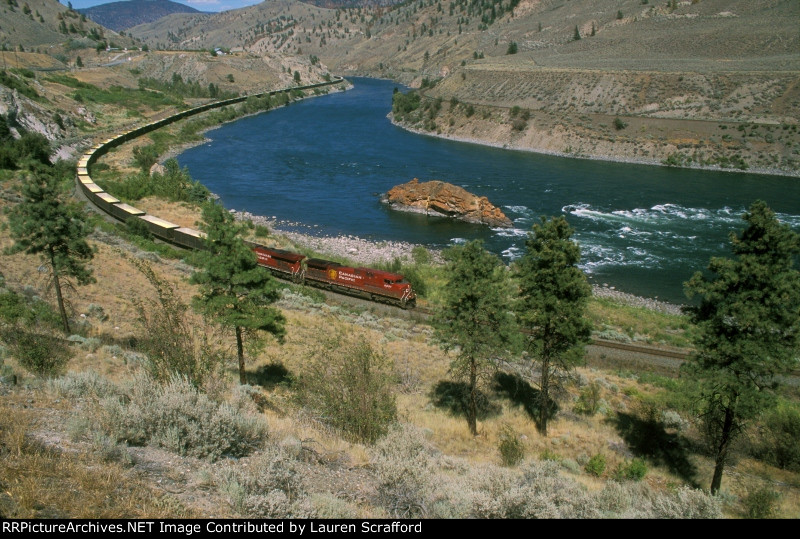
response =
{"points": [[648, 438], [454, 397], [270, 376], [520, 393]]}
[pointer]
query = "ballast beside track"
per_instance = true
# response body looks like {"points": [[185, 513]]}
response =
{"points": [[615, 345]]}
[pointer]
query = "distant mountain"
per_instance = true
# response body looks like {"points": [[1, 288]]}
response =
{"points": [[334, 4], [129, 13], [47, 25]]}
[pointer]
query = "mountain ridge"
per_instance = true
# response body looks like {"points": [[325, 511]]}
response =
{"points": [[126, 14]]}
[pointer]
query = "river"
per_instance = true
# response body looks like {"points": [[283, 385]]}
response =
{"points": [[319, 165]]}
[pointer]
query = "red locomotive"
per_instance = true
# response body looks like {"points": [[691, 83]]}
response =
{"points": [[282, 263], [372, 284], [368, 283]]}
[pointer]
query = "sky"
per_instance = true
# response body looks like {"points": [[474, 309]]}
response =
{"points": [[201, 5]]}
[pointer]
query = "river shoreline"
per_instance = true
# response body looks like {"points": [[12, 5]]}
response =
{"points": [[609, 158]]}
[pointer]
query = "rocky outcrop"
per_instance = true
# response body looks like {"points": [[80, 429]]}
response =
{"points": [[444, 199]]}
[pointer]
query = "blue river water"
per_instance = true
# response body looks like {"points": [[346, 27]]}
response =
{"points": [[318, 166]]}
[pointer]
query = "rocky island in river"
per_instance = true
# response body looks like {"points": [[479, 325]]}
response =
{"points": [[445, 200]]}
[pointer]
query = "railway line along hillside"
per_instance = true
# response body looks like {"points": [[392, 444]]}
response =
{"points": [[88, 414]]}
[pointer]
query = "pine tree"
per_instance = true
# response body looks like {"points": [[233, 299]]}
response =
{"points": [[235, 292], [577, 35], [45, 223], [748, 327], [475, 320], [553, 295]]}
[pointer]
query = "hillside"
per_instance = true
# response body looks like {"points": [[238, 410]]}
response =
{"points": [[122, 15], [48, 26], [625, 440], [680, 75]]}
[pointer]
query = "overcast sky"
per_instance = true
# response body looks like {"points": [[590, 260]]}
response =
{"points": [[202, 5]]}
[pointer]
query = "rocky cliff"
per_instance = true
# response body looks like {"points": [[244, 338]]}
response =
{"points": [[444, 199]]}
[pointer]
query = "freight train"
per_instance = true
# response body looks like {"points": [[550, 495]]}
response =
{"points": [[367, 283]]}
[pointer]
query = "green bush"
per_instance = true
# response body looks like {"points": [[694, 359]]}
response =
{"points": [[762, 503], [41, 354], [634, 470], [348, 385], [589, 399], [781, 431], [512, 450], [421, 255], [175, 185], [145, 157], [12, 308], [596, 465], [549, 454]]}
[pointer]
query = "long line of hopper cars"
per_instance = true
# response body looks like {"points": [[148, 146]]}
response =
{"points": [[368, 283]]}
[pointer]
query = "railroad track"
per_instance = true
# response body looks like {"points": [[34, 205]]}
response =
{"points": [[190, 238], [604, 343]]}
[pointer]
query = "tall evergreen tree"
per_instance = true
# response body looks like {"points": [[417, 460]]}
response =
{"points": [[748, 327], [553, 294], [45, 223], [475, 320], [235, 291]]}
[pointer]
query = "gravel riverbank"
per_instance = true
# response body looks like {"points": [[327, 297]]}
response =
{"points": [[368, 253]]}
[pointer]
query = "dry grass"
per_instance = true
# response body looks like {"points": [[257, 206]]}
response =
{"points": [[419, 365], [36, 476]]}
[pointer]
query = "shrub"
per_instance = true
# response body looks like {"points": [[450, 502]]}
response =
{"points": [[539, 491], [512, 450], [596, 465], [404, 464], [762, 503], [549, 454], [348, 385], [267, 488], [634, 470], [686, 503], [589, 399], [420, 254], [781, 431], [179, 418], [42, 355], [145, 157], [12, 307], [168, 340], [81, 385], [638, 501], [619, 124]]}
